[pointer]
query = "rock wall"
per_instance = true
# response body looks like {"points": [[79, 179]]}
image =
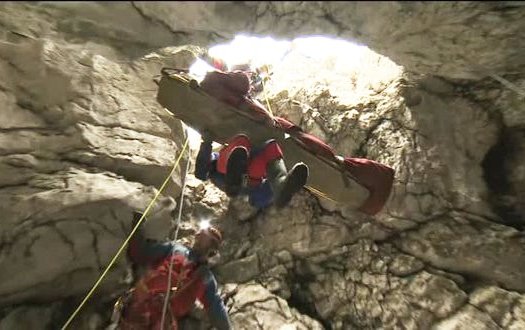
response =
{"points": [[83, 143], [440, 243], [441, 38]]}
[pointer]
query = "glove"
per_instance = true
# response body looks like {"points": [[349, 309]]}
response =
{"points": [[206, 136]]}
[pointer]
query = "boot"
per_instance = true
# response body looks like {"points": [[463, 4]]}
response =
{"points": [[235, 171], [285, 184]]}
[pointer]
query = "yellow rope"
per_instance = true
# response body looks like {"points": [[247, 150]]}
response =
{"points": [[266, 97], [128, 238], [319, 193], [168, 287], [311, 189]]}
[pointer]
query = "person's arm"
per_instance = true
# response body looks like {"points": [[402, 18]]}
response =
{"points": [[203, 161], [142, 251], [213, 304]]}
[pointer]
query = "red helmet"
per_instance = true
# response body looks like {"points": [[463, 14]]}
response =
{"points": [[213, 233], [219, 64]]}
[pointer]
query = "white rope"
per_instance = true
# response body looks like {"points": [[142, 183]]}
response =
{"points": [[483, 72], [168, 289], [508, 84]]}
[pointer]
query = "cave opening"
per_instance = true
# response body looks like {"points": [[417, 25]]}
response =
{"points": [[303, 58], [301, 297], [495, 174]]}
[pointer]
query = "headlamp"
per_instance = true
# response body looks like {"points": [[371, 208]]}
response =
{"points": [[204, 224]]}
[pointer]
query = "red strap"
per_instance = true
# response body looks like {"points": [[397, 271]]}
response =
{"points": [[376, 177]]}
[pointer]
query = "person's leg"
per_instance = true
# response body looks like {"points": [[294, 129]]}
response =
{"points": [[233, 162], [269, 163], [236, 170], [261, 196], [287, 185], [261, 157]]}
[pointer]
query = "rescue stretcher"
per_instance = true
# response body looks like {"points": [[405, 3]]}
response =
{"points": [[328, 176]]}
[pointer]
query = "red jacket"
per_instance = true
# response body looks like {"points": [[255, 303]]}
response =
{"points": [[192, 280]]}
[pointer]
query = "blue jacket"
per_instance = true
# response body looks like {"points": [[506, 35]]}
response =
{"points": [[260, 196]]}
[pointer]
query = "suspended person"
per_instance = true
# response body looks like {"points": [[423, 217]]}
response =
{"points": [[191, 280], [254, 77], [268, 180], [235, 89], [240, 168]]}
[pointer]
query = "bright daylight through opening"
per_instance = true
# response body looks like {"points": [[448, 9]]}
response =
{"points": [[259, 51]]}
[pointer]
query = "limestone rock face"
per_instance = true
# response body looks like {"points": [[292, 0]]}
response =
{"points": [[60, 231], [83, 143], [417, 262], [28, 318], [112, 29], [441, 38], [254, 307]]}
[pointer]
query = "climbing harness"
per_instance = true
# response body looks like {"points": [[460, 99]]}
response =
{"points": [[120, 305], [139, 222]]}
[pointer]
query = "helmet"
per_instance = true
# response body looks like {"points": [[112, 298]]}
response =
{"points": [[245, 67], [213, 233]]}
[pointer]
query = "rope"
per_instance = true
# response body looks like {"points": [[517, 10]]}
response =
{"points": [[482, 72], [266, 97], [508, 84], [316, 192], [168, 288], [128, 238], [319, 193]]}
